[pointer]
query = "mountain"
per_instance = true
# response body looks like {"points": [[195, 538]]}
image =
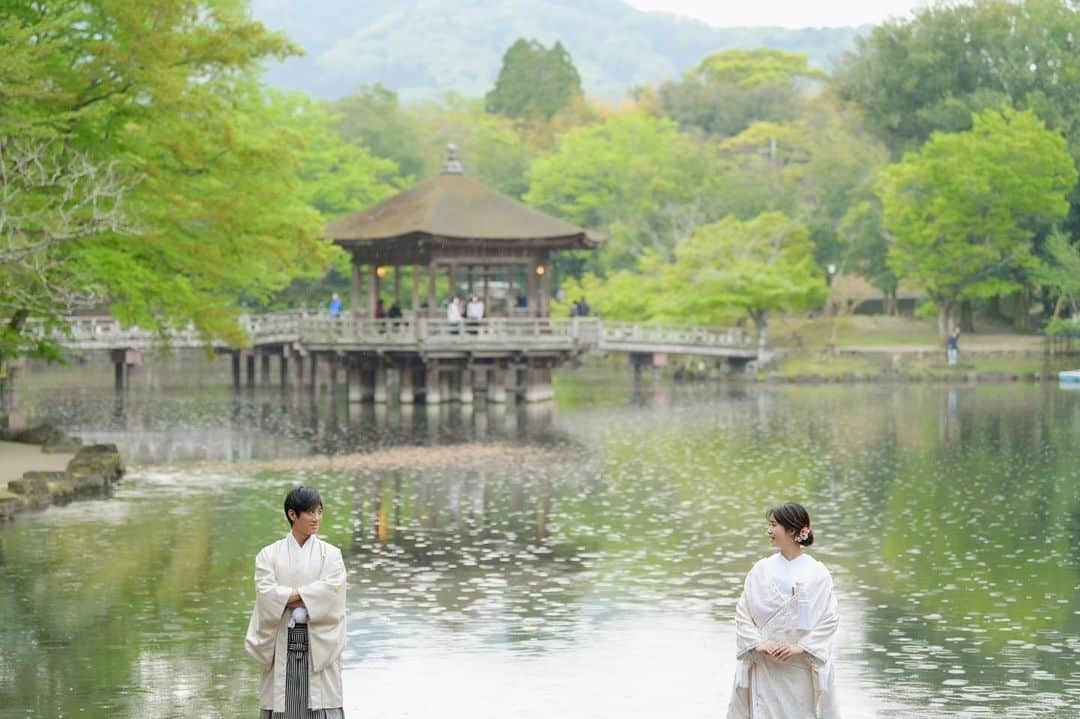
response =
{"points": [[423, 48]]}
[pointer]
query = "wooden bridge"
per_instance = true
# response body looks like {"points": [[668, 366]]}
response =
{"points": [[437, 357]]}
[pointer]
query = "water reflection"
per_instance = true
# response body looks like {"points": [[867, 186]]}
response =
{"points": [[599, 582], [221, 425]]}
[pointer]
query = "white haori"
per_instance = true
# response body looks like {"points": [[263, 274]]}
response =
{"points": [[787, 603], [317, 571]]}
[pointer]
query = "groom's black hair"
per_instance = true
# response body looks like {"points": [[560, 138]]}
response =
{"points": [[301, 499]]}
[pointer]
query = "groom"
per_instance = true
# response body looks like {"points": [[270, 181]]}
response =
{"points": [[297, 628]]}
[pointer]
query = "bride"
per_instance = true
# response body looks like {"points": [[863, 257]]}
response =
{"points": [[785, 622]]}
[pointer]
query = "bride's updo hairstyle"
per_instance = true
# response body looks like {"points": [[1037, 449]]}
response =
{"points": [[794, 518]]}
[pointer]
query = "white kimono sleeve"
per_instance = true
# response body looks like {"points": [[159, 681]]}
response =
{"points": [[325, 602], [270, 600], [747, 634], [817, 642]]}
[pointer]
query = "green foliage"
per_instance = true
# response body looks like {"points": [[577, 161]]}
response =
{"points": [[416, 136], [912, 77], [963, 211], [729, 91], [169, 92], [534, 82], [633, 176], [748, 268], [950, 61], [336, 176], [753, 68], [1059, 272]]}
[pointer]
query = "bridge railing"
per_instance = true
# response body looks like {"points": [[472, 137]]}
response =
{"points": [[319, 328], [633, 333], [308, 326]]}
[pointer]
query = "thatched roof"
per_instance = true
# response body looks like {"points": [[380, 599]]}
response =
{"points": [[455, 207]]}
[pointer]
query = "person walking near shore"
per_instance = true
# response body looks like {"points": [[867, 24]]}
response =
{"points": [[952, 345], [297, 627], [785, 625]]}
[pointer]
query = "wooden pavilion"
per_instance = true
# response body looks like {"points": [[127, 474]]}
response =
{"points": [[452, 224], [483, 243]]}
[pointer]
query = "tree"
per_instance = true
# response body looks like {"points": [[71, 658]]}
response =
{"points": [[729, 91], [373, 117], [934, 71], [534, 82], [633, 176], [752, 268], [167, 91], [963, 211], [1060, 273], [50, 197]]}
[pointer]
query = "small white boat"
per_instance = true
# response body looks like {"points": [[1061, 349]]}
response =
{"points": [[1070, 379]]}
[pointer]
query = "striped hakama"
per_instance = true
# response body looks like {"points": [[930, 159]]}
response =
{"points": [[296, 683]]}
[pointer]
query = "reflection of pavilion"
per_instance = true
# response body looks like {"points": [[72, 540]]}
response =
{"points": [[446, 236], [457, 539]]}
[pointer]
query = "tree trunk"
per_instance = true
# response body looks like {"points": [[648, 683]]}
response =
{"points": [[967, 317], [944, 315], [761, 323], [1020, 315], [890, 303]]}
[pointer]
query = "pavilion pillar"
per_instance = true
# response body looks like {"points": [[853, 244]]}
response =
{"points": [[353, 380], [298, 371], [249, 362], [283, 368], [538, 382], [414, 301], [373, 290], [380, 379], [447, 384], [469, 279], [433, 275], [487, 307], [235, 371], [264, 369], [496, 385], [332, 372], [545, 287], [405, 383], [511, 294], [314, 372], [431, 382], [451, 276], [465, 391], [357, 289], [397, 285], [530, 269]]}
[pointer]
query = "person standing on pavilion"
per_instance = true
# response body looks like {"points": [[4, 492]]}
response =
{"points": [[453, 314], [474, 312]]}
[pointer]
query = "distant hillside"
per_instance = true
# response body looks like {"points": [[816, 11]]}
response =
{"points": [[423, 48]]}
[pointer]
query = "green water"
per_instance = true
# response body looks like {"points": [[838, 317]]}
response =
{"points": [[596, 582]]}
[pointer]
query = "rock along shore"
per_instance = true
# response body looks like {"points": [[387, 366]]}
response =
{"points": [[91, 471]]}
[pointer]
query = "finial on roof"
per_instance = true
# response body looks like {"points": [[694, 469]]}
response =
{"points": [[453, 165]]}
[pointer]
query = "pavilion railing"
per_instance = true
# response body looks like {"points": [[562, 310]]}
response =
{"points": [[317, 327]]}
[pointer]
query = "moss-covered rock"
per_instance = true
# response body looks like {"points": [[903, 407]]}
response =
{"points": [[40, 434], [34, 486], [68, 445], [95, 468], [10, 504]]}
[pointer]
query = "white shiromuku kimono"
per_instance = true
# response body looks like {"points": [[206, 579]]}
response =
{"points": [[319, 575], [788, 603]]}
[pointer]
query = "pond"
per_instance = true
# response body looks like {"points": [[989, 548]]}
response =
{"points": [[580, 560]]}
